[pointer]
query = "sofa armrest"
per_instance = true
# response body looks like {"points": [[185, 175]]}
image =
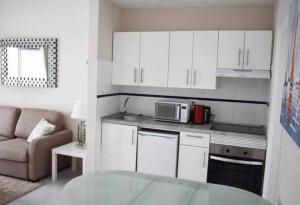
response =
{"points": [[40, 152]]}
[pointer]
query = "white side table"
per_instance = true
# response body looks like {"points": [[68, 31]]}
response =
{"points": [[68, 150]]}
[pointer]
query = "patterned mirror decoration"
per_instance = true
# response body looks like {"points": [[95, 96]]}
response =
{"points": [[48, 46]]}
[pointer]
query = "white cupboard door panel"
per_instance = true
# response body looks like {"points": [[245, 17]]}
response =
{"points": [[157, 155], [230, 50], [192, 163], [205, 59], [126, 55], [119, 144], [258, 49], [180, 59], [154, 59]]}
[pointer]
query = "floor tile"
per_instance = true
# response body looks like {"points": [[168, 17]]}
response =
{"points": [[50, 193]]}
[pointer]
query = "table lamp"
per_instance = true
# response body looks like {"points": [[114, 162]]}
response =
{"points": [[79, 112]]}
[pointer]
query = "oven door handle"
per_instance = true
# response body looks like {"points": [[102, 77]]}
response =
{"points": [[236, 161]]}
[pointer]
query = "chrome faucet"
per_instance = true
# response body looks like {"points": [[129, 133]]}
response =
{"points": [[125, 105]]}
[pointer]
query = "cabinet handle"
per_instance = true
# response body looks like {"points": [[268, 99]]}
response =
{"points": [[248, 53], [142, 75], [240, 51], [195, 77], [132, 137], [204, 157], [134, 75], [187, 76], [200, 137]]}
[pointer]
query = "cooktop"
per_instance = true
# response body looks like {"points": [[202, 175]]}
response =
{"points": [[239, 128]]}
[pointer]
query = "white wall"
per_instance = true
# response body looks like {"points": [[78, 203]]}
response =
{"points": [[92, 85], [227, 88], [283, 166], [109, 21], [66, 20], [274, 132]]}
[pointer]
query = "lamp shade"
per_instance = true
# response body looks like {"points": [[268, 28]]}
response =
{"points": [[79, 110]]}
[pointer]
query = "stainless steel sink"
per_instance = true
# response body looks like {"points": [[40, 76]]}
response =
{"points": [[130, 117]]}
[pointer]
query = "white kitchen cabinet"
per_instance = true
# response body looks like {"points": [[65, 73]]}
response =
{"points": [[193, 163], [154, 60], [180, 59], [205, 55], [119, 146], [189, 59], [245, 50], [126, 58], [230, 50], [258, 50], [193, 156]]}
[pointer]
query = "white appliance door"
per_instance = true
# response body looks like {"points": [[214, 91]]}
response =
{"points": [[157, 153]]}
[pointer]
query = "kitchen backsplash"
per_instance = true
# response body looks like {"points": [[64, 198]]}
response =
{"points": [[227, 88], [224, 111]]}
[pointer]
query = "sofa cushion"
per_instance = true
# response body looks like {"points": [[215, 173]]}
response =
{"points": [[30, 117], [41, 129], [4, 138], [14, 150], [8, 120]]}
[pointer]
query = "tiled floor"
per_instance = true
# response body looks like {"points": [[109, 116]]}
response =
{"points": [[50, 193]]}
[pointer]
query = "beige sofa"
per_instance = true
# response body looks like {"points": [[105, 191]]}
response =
{"points": [[30, 161]]}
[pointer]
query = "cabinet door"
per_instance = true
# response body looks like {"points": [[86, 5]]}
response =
{"points": [[126, 55], [119, 144], [154, 59], [180, 59], [230, 50], [193, 162], [258, 49], [205, 56]]}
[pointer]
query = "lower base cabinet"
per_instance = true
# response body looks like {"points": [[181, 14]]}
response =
{"points": [[193, 159], [119, 151], [119, 145]]}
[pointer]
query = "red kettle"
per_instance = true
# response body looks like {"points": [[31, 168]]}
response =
{"points": [[198, 117]]}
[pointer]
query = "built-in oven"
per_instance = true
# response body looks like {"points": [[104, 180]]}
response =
{"points": [[237, 167]]}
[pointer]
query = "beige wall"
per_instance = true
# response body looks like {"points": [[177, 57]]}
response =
{"points": [[199, 18], [109, 21]]}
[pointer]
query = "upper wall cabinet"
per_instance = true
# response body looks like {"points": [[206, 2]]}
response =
{"points": [[246, 52], [154, 59], [189, 59], [180, 59], [231, 47], [126, 56], [141, 58], [193, 59], [258, 50], [205, 54]]}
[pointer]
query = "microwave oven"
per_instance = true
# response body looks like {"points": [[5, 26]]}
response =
{"points": [[173, 111]]}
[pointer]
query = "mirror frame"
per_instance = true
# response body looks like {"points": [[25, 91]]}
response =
{"points": [[49, 43]]}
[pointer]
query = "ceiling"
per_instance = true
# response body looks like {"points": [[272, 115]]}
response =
{"points": [[184, 3]]}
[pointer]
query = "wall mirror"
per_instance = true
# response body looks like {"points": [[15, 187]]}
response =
{"points": [[29, 62]]}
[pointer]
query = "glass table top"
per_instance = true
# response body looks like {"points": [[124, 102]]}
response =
{"points": [[121, 187]]}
